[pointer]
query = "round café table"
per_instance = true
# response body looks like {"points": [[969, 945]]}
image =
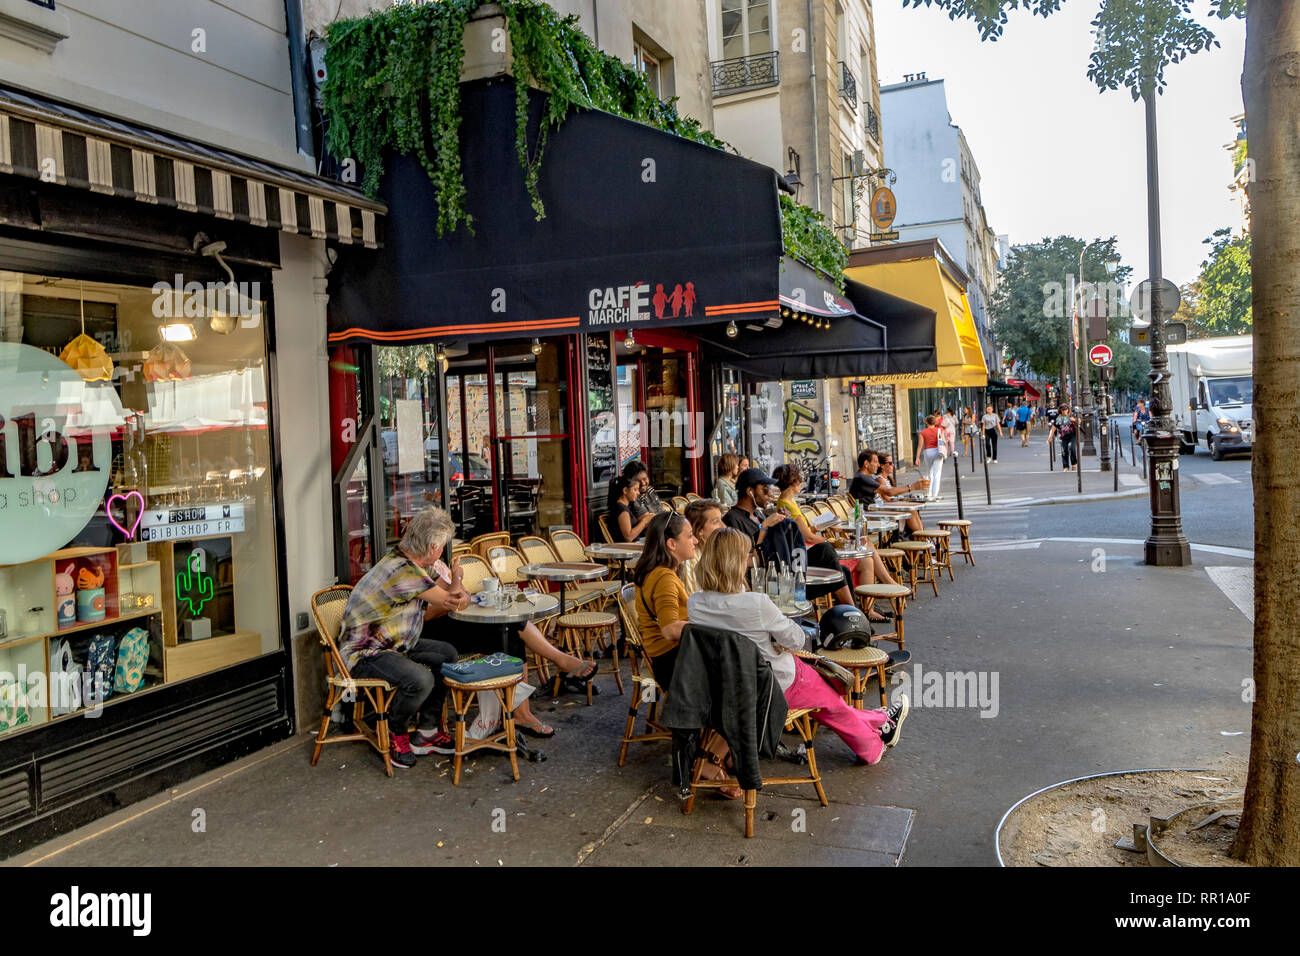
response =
{"points": [[518, 611], [621, 554], [564, 572], [794, 608]]}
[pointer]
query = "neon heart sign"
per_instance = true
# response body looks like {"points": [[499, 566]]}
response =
{"points": [[126, 511]]}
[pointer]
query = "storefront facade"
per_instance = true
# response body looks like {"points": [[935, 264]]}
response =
{"points": [[145, 623]]}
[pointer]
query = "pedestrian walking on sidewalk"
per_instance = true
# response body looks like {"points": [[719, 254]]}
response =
{"points": [[948, 421], [968, 430], [933, 451], [1064, 429], [992, 431], [1022, 424]]}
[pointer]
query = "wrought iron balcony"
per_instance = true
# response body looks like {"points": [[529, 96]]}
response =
{"points": [[848, 85], [873, 124], [745, 73]]}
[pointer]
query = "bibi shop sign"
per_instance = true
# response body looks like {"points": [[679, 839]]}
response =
{"points": [[200, 521], [56, 451]]}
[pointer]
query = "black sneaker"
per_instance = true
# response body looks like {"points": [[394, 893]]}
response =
{"points": [[897, 713], [437, 743], [399, 751]]}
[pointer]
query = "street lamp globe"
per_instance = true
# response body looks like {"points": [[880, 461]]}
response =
{"points": [[1112, 264]]}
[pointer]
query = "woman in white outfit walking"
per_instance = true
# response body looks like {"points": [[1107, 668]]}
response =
{"points": [[932, 451]]}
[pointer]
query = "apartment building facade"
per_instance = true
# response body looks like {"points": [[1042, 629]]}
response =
{"points": [[938, 189]]}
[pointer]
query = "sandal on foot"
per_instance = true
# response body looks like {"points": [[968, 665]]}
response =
{"points": [[585, 676], [540, 730]]}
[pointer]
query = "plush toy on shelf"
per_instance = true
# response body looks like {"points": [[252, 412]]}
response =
{"points": [[90, 595], [67, 605]]}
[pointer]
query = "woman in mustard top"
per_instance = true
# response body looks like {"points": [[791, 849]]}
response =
{"points": [[660, 593]]}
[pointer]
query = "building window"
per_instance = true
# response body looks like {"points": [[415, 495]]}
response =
{"points": [[647, 63], [746, 28]]}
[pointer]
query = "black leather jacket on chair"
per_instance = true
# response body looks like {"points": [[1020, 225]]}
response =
{"points": [[720, 681]]}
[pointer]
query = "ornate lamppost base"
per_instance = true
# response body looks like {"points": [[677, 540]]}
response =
{"points": [[1166, 546]]}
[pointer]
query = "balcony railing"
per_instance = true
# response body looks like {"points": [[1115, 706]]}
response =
{"points": [[745, 73], [848, 85], [873, 123]]}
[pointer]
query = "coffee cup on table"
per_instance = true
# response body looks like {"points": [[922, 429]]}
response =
{"points": [[491, 588]]}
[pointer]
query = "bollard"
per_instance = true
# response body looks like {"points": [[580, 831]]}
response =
{"points": [[1115, 464], [956, 471], [1051, 455], [972, 454], [1078, 462]]}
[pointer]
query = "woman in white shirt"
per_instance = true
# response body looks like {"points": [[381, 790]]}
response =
{"points": [[724, 603]]}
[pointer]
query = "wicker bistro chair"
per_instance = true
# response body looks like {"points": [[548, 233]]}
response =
{"points": [[942, 556], [580, 633], [473, 571], [483, 542], [327, 607], [461, 696], [896, 595], [568, 545], [644, 688], [679, 503], [535, 550], [796, 721], [961, 525], [861, 661], [604, 529], [920, 570], [505, 562]]}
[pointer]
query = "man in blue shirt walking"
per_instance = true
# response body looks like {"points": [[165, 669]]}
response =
{"points": [[1022, 423]]}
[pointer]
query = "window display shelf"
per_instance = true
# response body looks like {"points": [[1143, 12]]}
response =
{"points": [[191, 658], [107, 621]]}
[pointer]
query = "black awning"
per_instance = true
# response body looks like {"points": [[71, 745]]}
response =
{"points": [[858, 342], [643, 229], [909, 328]]}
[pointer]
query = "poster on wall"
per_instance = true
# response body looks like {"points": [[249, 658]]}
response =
{"points": [[767, 427], [601, 406], [410, 436]]}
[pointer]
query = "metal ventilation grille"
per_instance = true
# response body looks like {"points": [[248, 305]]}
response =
{"points": [[15, 794], [162, 741]]}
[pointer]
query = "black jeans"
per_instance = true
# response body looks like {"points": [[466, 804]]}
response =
{"points": [[824, 556], [991, 444], [1068, 456], [417, 676]]}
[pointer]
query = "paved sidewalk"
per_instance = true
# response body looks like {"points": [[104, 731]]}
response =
{"points": [[1028, 476], [1059, 659]]}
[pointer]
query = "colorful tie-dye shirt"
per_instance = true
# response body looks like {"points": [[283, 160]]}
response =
{"points": [[384, 611]]}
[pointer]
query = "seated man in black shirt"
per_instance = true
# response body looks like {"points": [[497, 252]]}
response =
{"points": [[754, 491], [866, 485]]}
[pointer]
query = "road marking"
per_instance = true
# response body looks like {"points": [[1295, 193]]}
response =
{"points": [[1215, 478], [1132, 481], [1212, 548], [1018, 546], [1238, 584]]}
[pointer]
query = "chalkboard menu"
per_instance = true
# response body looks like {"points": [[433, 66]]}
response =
{"points": [[602, 407]]}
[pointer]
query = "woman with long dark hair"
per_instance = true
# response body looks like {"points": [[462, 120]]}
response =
{"points": [[660, 593], [618, 511]]}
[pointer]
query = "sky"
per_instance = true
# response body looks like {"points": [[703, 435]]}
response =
{"points": [[1059, 157]]}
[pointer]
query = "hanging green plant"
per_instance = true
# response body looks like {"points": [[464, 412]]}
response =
{"points": [[804, 234], [393, 82]]}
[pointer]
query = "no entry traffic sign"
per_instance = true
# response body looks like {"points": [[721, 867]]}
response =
{"points": [[1100, 355]]}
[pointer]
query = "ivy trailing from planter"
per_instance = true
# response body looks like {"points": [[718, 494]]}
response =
{"points": [[804, 234], [393, 82]]}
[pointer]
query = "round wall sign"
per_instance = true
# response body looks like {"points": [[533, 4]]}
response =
{"points": [[883, 208], [56, 451]]}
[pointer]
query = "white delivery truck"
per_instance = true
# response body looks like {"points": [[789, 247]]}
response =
{"points": [[1212, 388]]}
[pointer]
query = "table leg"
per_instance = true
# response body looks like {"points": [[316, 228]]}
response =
{"points": [[561, 598]]}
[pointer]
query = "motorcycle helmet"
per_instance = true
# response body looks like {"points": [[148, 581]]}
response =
{"points": [[844, 627]]}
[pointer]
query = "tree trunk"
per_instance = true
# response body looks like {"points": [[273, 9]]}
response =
{"points": [[1270, 825]]}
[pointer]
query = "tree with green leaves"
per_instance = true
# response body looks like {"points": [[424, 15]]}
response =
{"points": [[1137, 39], [1218, 301], [1031, 309]]}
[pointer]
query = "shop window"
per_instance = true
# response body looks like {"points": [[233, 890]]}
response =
{"points": [[139, 545]]}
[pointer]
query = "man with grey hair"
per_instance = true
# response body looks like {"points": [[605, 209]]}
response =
{"points": [[381, 632]]}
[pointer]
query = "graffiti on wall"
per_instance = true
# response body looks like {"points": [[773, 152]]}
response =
{"points": [[800, 431]]}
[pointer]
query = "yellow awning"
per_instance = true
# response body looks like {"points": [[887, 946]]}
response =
{"points": [[956, 341]]}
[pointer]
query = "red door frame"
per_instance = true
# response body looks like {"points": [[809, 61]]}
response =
{"points": [[690, 346]]}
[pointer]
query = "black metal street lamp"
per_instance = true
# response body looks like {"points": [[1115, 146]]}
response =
{"points": [[1166, 546]]}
